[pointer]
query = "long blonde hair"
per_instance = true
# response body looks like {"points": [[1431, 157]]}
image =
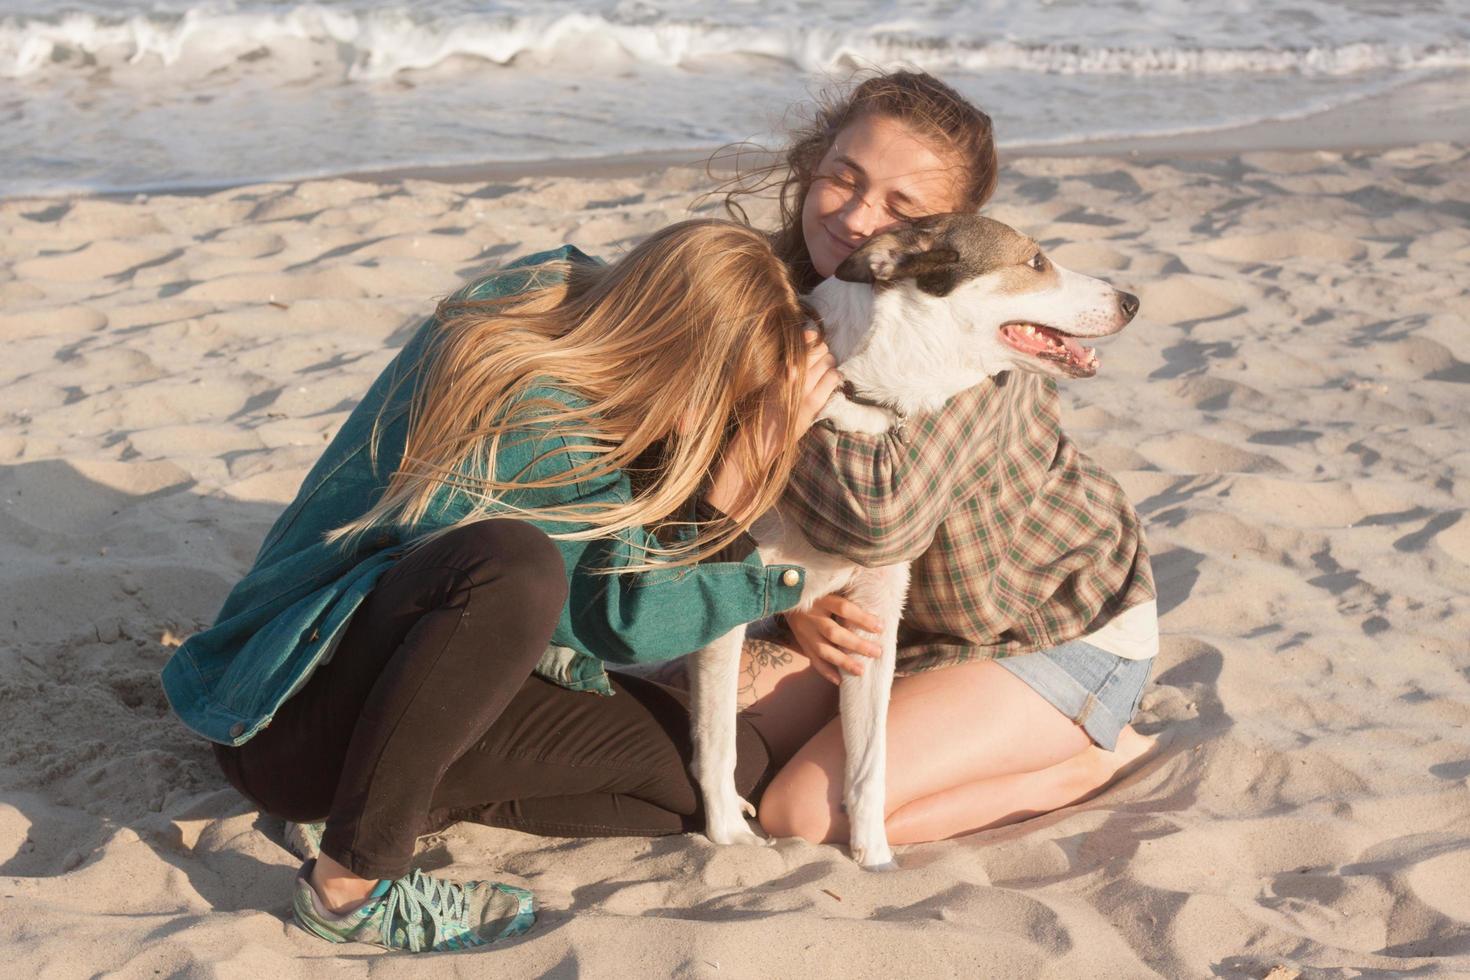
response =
{"points": [[695, 331]]}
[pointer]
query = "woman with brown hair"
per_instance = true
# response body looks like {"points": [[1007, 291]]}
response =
{"points": [[557, 470], [1030, 625]]}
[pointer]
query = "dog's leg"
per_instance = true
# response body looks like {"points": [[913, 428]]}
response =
{"points": [[714, 688], [864, 698]]}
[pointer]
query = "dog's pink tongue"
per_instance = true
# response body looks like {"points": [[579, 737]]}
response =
{"points": [[1079, 354]]}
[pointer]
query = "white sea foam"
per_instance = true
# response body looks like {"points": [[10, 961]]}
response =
{"points": [[113, 94], [378, 43]]}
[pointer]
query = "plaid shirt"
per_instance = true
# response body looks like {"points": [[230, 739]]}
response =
{"points": [[1019, 542]]}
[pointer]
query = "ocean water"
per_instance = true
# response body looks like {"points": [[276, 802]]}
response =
{"points": [[127, 95]]}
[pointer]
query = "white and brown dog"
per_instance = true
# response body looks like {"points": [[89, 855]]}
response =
{"points": [[914, 317]]}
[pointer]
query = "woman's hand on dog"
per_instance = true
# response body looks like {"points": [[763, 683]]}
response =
{"points": [[817, 383], [824, 635]]}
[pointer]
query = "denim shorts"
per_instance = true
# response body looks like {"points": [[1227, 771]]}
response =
{"points": [[1096, 689]]}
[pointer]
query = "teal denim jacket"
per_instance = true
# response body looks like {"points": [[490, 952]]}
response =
{"points": [[285, 616]]}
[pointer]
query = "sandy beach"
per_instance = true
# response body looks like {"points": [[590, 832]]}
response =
{"points": [[1288, 413]]}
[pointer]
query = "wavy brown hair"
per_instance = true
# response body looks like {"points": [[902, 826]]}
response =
{"points": [[695, 332], [929, 107]]}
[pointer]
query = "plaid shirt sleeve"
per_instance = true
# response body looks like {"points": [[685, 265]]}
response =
{"points": [[878, 499]]}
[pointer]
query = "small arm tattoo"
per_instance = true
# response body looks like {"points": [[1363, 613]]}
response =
{"points": [[757, 657], [762, 653]]}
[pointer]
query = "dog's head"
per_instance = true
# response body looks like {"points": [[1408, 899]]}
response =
{"points": [[1003, 302]]}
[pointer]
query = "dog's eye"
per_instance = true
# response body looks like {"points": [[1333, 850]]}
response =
{"points": [[1038, 262]]}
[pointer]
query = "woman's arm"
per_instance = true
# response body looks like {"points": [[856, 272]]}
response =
{"points": [[879, 499], [648, 616], [634, 616]]}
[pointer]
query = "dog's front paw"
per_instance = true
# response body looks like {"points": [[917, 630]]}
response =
{"points": [[746, 836], [736, 833], [869, 848], [726, 824], [875, 858]]}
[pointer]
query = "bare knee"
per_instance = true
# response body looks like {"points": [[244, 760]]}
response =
{"points": [[786, 811]]}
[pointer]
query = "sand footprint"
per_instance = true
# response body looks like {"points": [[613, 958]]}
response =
{"points": [[1089, 257], [1186, 452], [74, 320], [244, 243], [1298, 503], [1188, 299], [1439, 882], [1455, 540], [1210, 394], [83, 496], [93, 261], [1276, 246]]}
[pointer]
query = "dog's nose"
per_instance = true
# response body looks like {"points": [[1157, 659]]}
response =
{"points": [[1128, 303]]}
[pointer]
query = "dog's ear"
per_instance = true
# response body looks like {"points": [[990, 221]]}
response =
{"points": [[908, 253]]}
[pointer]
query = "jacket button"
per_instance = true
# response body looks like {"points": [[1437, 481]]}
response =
{"points": [[237, 729], [791, 577]]}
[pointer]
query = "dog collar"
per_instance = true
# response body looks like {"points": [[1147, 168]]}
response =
{"points": [[850, 392]]}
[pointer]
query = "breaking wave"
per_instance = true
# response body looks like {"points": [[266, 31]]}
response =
{"points": [[377, 44]]}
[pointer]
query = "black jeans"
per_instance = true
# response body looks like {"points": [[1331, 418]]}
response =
{"points": [[428, 713]]}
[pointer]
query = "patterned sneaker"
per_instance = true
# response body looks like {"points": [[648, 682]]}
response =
{"points": [[419, 914], [305, 839]]}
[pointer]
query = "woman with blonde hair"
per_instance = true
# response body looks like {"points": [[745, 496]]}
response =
{"points": [[557, 470]]}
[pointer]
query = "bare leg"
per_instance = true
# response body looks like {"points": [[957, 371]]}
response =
{"points": [[783, 697], [994, 725], [1012, 798]]}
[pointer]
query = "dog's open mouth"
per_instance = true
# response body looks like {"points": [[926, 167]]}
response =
{"points": [[1050, 344]]}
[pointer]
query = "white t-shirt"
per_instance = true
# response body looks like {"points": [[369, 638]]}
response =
{"points": [[1132, 635]]}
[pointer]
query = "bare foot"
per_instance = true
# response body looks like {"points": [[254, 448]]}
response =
{"points": [[1132, 744], [339, 889], [1131, 747]]}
